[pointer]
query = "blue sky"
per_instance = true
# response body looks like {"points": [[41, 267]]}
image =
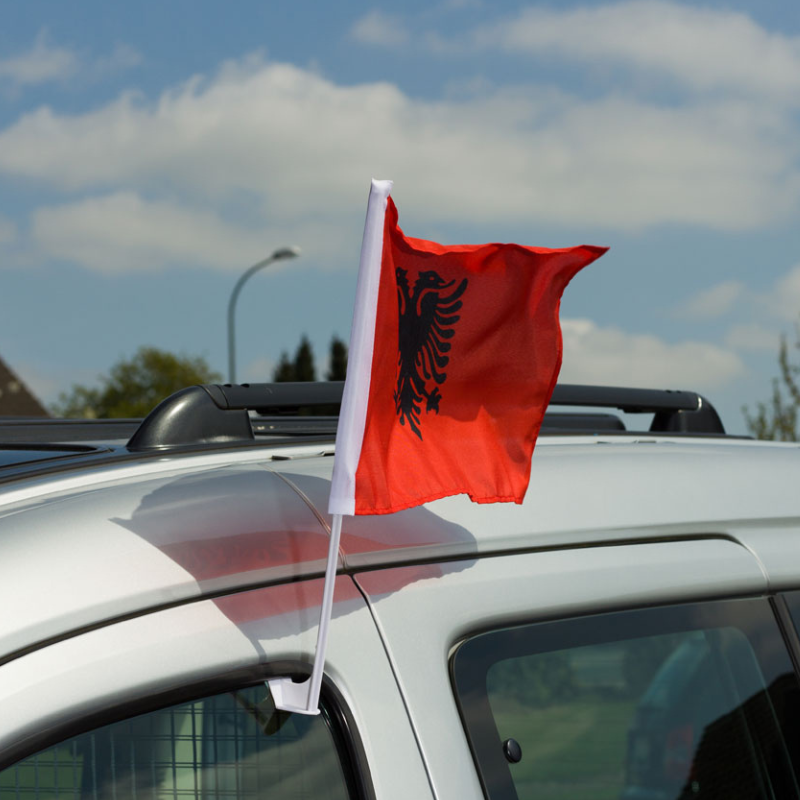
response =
{"points": [[151, 152]]}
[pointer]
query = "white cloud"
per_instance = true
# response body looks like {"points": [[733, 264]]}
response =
{"points": [[8, 230], [122, 57], [124, 232], [783, 300], [259, 371], [611, 357], [752, 336], [295, 145], [715, 301], [46, 62], [42, 63], [761, 312], [701, 48], [377, 28]]}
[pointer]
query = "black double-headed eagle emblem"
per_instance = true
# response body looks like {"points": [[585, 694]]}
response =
{"points": [[428, 314]]}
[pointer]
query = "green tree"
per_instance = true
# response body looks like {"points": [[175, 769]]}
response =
{"points": [[133, 387], [284, 372], [777, 418], [536, 681], [337, 368], [300, 369], [304, 369]]}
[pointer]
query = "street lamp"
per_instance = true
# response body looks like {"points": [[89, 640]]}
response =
{"points": [[278, 255]]}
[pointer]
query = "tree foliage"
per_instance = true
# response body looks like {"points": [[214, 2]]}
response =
{"points": [[777, 418], [302, 367], [337, 368], [536, 681], [133, 387], [284, 372]]}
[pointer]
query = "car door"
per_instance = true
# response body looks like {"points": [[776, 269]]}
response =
{"points": [[173, 704], [630, 671]]}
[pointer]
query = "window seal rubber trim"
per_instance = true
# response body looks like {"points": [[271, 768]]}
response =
{"points": [[786, 622]]}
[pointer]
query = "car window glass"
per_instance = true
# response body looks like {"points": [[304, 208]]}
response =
{"points": [[609, 707], [233, 745]]}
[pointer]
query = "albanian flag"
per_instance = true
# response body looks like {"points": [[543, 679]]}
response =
{"points": [[454, 353]]}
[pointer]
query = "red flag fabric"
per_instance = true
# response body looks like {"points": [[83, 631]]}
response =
{"points": [[466, 350]]}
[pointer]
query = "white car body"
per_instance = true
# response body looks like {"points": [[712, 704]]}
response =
{"points": [[126, 582]]}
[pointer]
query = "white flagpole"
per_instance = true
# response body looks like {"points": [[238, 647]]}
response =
{"points": [[303, 698]]}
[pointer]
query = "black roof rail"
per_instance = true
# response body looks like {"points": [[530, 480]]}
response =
{"points": [[218, 413], [581, 423], [44, 430], [675, 411]]}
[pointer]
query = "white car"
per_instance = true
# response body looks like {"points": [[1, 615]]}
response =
{"points": [[628, 632]]}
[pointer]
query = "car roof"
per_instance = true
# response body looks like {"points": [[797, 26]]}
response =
{"points": [[80, 549]]}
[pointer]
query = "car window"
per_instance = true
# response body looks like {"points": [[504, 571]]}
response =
{"points": [[229, 746], [696, 701]]}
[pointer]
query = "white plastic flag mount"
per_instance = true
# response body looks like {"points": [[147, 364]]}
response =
{"points": [[303, 698]]}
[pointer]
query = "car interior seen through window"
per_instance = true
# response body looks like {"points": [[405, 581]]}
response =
{"points": [[696, 701], [233, 745]]}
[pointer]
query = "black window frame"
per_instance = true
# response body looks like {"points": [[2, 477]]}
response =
{"points": [[492, 768], [787, 609], [333, 707]]}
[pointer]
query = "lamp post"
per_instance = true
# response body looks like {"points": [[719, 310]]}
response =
{"points": [[281, 254]]}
